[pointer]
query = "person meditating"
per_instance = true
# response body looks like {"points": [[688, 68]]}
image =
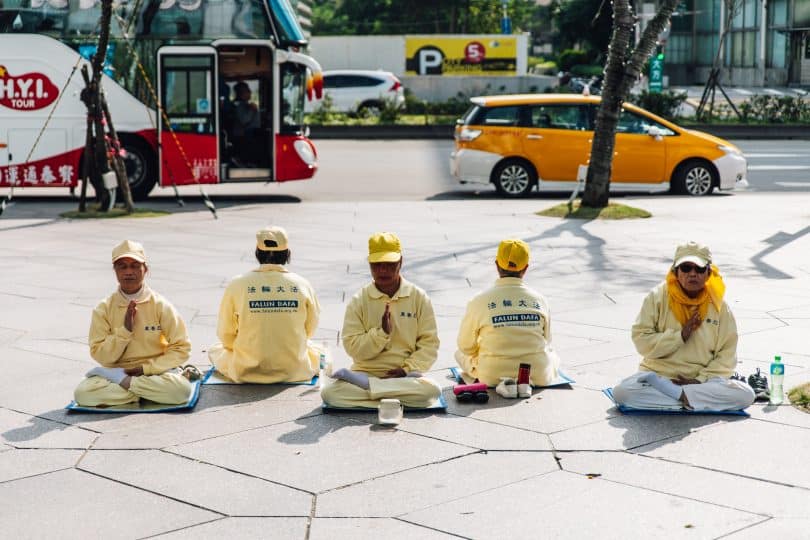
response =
{"points": [[266, 318], [687, 337], [138, 338], [389, 331], [506, 326]]}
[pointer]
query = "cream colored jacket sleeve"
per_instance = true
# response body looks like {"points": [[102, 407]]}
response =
{"points": [[107, 344], [427, 339], [650, 339], [178, 346], [467, 340], [228, 319], [362, 339], [313, 313]]}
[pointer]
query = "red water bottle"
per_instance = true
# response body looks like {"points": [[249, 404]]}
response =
{"points": [[524, 374]]}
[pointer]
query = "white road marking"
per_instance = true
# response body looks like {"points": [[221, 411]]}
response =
{"points": [[779, 167], [769, 155]]}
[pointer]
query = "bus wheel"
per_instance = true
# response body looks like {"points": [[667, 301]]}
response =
{"points": [[141, 166]]}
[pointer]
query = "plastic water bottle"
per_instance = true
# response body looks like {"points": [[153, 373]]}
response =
{"points": [[777, 376]]}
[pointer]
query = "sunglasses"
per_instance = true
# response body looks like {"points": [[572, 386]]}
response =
{"points": [[689, 267]]}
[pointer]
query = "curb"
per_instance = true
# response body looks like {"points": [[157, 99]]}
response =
{"points": [[381, 132], [775, 131]]}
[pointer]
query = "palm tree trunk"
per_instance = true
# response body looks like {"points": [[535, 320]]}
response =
{"points": [[622, 70]]}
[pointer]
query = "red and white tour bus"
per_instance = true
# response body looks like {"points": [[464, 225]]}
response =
{"points": [[171, 73]]}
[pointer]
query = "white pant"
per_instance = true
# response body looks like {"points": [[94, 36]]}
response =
{"points": [[717, 394]]}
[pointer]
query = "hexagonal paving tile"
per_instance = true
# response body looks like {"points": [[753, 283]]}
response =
{"points": [[202, 485], [81, 505], [321, 452], [552, 504]]}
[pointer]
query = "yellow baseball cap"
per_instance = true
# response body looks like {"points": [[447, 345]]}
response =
{"points": [[384, 247], [692, 252], [513, 255], [130, 249], [275, 235]]}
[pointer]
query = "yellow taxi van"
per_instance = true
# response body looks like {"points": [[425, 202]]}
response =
{"points": [[522, 142]]}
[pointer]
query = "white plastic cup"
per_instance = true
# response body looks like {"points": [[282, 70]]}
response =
{"points": [[390, 412]]}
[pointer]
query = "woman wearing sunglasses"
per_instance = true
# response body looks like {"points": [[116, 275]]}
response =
{"points": [[688, 339]]}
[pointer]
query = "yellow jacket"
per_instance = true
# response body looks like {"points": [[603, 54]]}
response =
{"points": [[265, 319], [414, 341], [158, 341], [711, 350], [505, 326]]}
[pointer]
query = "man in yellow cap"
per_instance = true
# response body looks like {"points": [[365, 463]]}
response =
{"points": [[266, 318], [506, 326], [687, 337], [389, 331], [138, 338]]}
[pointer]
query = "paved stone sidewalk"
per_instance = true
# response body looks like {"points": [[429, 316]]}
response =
{"points": [[265, 462]]}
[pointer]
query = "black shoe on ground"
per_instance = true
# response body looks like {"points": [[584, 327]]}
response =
{"points": [[759, 383], [738, 377]]}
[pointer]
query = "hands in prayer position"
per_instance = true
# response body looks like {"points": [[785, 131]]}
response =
{"points": [[691, 325], [129, 318]]}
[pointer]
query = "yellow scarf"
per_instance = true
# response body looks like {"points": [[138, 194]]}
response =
{"points": [[683, 306]]}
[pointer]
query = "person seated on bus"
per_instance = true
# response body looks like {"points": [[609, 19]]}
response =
{"points": [[138, 338], [687, 337], [245, 126], [389, 331], [266, 318]]}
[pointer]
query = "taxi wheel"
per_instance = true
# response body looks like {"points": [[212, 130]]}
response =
{"points": [[695, 177], [514, 178]]}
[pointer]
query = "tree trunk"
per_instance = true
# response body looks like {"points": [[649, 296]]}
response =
{"points": [[93, 159], [102, 153], [621, 71]]}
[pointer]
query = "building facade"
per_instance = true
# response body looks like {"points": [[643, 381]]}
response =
{"points": [[767, 43]]}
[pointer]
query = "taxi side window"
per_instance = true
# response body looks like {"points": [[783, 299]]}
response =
{"points": [[559, 117], [630, 122], [501, 116]]}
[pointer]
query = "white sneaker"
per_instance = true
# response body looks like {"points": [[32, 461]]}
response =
{"points": [[507, 388], [524, 390]]}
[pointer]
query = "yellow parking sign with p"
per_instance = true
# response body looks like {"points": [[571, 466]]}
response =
{"points": [[461, 55]]}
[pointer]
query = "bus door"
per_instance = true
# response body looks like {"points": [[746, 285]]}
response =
{"points": [[188, 120]]}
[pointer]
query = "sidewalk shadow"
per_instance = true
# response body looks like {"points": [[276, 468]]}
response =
{"points": [[210, 401], [576, 227], [649, 432], [314, 427], [777, 241]]}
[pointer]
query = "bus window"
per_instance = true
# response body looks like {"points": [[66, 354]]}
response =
{"points": [[209, 19], [293, 82], [188, 93]]}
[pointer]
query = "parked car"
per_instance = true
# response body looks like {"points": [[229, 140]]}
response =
{"points": [[353, 90], [519, 142]]}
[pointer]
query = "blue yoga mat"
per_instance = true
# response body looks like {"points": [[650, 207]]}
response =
{"points": [[439, 405], [143, 406], [212, 376], [632, 410], [561, 380]]}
